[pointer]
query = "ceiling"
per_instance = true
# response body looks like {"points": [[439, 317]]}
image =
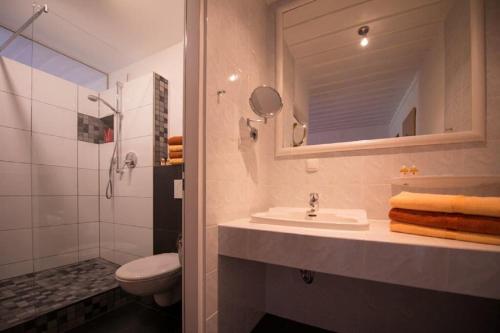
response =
{"points": [[351, 86], [104, 34]]}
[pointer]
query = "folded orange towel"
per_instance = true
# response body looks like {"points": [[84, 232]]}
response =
{"points": [[175, 154], [487, 206], [175, 161], [442, 233], [175, 148], [451, 221], [175, 140]]}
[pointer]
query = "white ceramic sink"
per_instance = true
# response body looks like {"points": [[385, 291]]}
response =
{"points": [[341, 219]]}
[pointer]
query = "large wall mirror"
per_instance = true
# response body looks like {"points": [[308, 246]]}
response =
{"points": [[364, 74]]}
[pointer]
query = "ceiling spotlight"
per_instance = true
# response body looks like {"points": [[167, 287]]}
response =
{"points": [[363, 32]]}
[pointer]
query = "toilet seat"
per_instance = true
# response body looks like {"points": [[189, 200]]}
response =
{"points": [[159, 266]]}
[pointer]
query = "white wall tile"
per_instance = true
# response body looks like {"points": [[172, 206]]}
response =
{"points": [[121, 258], [109, 96], [138, 92], [52, 180], [51, 241], [52, 150], [54, 120], [143, 147], [51, 211], [88, 254], [15, 245], [88, 182], [15, 111], [88, 155], [134, 211], [105, 153], [134, 240], [136, 182], [107, 237], [137, 122], [42, 264], [16, 213], [88, 235], [107, 254], [15, 178], [18, 148], [16, 269], [106, 209], [53, 90], [88, 208], [15, 77], [85, 105], [103, 182]]}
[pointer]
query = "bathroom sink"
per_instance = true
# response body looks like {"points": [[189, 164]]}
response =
{"points": [[340, 219]]}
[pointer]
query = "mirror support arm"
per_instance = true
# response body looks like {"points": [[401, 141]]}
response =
{"points": [[254, 132]]}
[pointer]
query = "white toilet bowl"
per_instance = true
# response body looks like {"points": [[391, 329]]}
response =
{"points": [[158, 275]]}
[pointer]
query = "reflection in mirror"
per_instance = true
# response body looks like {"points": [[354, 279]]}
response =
{"points": [[364, 70], [299, 134]]}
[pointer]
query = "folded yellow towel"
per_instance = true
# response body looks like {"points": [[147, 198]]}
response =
{"points": [[443, 233], [487, 206], [173, 148], [175, 161]]}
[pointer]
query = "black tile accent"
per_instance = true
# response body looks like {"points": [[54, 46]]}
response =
{"points": [[37, 297], [161, 118], [167, 211], [270, 323], [92, 129], [136, 317]]}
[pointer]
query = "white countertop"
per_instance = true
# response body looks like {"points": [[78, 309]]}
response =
{"points": [[375, 254]]}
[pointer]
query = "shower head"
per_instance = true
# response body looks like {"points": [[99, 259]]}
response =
{"points": [[95, 98]]}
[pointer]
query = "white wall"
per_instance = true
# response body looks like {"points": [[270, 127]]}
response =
{"points": [[169, 63], [458, 97], [126, 220], [431, 90], [245, 179], [48, 179], [408, 102]]}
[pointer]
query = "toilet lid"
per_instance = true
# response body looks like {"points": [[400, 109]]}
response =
{"points": [[150, 267]]}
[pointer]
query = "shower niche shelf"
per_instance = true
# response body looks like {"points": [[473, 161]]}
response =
{"points": [[446, 181]]}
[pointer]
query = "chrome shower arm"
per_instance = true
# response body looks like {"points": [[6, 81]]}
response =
{"points": [[40, 11]]}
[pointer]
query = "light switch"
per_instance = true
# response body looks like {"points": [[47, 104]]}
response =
{"points": [[178, 191]]}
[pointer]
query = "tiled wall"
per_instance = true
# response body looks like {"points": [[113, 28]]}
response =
{"points": [[238, 42], [47, 219], [127, 219], [245, 177]]}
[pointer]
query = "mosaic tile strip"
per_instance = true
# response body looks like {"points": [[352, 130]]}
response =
{"points": [[75, 315], [161, 118], [92, 129], [29, 296]]}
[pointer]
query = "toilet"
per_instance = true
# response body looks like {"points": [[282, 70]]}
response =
{"points": [[158, 275]]}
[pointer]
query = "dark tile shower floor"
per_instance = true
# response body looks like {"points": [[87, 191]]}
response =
{"points": [[27, 296]]}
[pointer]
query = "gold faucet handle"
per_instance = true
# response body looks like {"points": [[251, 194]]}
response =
{"points": [[413, 170], [404, 170]]}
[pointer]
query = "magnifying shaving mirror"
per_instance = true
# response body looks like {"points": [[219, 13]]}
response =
{"points": [[266, 103]]}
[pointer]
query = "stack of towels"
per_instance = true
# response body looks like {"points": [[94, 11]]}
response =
{"points": [[175, 150], [465, 218]]}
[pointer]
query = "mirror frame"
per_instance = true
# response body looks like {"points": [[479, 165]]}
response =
{"points": [[478, 98]]}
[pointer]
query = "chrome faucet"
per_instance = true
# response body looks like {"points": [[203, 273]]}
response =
{"points": [[314, 204]]}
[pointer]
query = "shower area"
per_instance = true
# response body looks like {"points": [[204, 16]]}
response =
{"points": [[89, 94]]}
